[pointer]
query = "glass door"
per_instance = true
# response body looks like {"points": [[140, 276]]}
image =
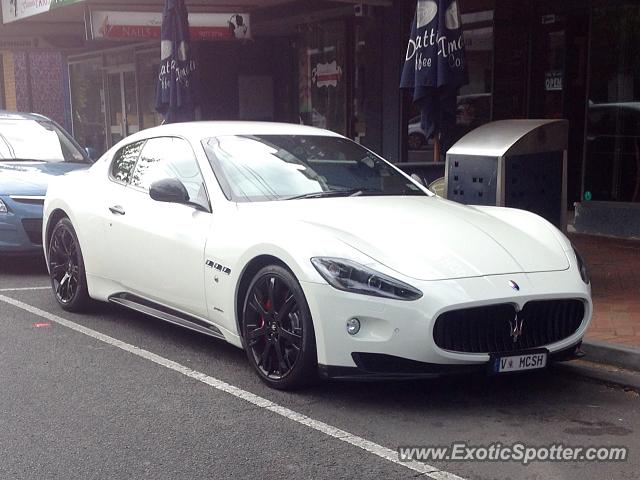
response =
{"points": [[548, 69], [612, 160], [558, 87], [321, 76], [123, 104]]}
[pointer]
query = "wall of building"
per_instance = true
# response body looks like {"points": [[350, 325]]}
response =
{"points": [[9, 81], [36, 81]]}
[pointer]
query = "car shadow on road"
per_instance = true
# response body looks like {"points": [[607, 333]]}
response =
{"points": [[540, 394], [22, 265], [439, 393], [528, 393]]}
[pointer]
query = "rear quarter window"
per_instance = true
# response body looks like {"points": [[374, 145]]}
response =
{"points": [[124, 162]]}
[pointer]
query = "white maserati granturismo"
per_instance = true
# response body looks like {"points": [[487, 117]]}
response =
{"points": [[313, 254]]}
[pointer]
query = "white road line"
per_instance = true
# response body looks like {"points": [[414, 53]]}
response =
{"points": [[23, 289], [364, 444]]}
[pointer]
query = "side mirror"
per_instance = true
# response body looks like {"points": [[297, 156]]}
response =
{"points": [[170, 190]]}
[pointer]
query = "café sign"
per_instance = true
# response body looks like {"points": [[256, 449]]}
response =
{"points": [[119, 25]]}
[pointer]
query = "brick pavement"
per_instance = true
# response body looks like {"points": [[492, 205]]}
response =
{"points": [[614, 266]]}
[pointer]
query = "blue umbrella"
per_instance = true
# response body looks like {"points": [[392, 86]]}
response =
{"points": [[176, 90], [435, 67]]}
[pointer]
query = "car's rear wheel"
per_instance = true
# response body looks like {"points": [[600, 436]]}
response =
{"points": [[66, 267], [278, 331]]}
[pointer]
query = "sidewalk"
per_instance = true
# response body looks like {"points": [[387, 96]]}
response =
{"points": [[614, 266]]}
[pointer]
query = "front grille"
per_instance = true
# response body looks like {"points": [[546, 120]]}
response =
{"points": [[33, 229], [488, 329]]}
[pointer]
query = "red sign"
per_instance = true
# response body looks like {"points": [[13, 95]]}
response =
{"points": [[146, 25]]}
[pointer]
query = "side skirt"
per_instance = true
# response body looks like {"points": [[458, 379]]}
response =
{"points": [[165, 313]]}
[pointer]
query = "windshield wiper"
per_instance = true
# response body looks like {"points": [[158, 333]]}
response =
{"points": [[347, 192]]}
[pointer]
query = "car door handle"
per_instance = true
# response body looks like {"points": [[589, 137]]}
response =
{"points": [[117, 210]]}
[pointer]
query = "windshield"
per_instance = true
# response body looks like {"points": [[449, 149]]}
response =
{"points": [[35, 140], [282, 167]]}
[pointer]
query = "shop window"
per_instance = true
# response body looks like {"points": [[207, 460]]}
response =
{"points": [[88, 104], [612, 159], [148, 67], [474, 99], [366, 114], [322, 96]]}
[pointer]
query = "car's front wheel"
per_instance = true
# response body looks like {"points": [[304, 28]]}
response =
{"points": [[278, 331], [66, 267]]}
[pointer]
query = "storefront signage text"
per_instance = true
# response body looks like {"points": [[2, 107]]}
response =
{"points": [[553, 81], [110, 25], [183, 72], [436, 36], [9, 43], [446, 48], [326, 74], [13, 10]]}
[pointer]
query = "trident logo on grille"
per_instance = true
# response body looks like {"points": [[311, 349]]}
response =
{"points": [[516, 325]]}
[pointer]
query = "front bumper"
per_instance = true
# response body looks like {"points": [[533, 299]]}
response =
{"points": [[21, 227], [404, 329], [386, 367]]}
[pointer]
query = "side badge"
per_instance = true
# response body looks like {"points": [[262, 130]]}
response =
{"points": [[217, 266]]}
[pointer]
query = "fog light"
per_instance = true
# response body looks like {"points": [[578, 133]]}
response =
{"points": [[353, 326]]}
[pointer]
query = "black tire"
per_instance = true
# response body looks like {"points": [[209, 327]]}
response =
{"points": [[277, 330], [415, 141], [66, 267]]}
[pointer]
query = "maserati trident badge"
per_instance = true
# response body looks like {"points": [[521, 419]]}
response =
{"points": [[514, 285], [515, 326]]}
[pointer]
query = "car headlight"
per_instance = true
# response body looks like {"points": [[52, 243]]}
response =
{"points": [[584, 272], [352, 277], [3, 208]]}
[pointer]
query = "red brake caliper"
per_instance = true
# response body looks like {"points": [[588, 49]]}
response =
{"points": [[267, 306]]}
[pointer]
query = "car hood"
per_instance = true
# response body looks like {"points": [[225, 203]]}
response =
{"points": [[31, 178], [429, 238]]}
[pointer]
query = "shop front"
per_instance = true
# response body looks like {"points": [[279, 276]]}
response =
{"points": [[336, 65], [113, 81], [342, 69], [113, 94], [581, 65], [320, 66], [545, 59]]}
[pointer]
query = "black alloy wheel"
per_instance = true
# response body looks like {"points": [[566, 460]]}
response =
{"points": [[66, 267], [277, 330]]}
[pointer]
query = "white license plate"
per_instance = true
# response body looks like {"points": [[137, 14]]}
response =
{"points": [[516, 363]]}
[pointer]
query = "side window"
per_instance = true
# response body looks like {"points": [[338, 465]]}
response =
{"points": [[169, 157], [123, 162]]}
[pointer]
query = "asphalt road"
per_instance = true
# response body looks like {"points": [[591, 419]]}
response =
{"points": [[75, 404]]}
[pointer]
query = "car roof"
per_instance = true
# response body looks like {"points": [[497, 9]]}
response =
{"points": [[6, 115], [204, 129]]}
